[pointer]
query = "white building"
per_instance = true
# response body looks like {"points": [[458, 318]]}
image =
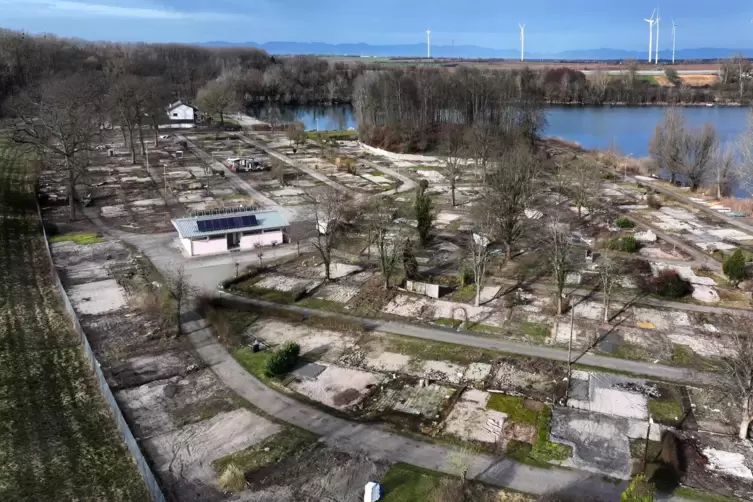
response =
{"points": [[226, 231], [181, 116]]}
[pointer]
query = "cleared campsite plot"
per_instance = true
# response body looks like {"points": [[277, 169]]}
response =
{"points": [[58, 440]]}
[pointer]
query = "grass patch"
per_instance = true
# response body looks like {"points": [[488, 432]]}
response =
{"points": [[270, 295], [693, 494], [638, 447], [665, 411], [80, 238], [423, 349], [682, 355], [486, 328], [59, 440], [544, 450], [268, 452], [465, 294], [255, 363], [321, 304], [514, 407], [632, 352], [446, 321], [346, 135], [376, 173], [539, 332], [408, 483]]}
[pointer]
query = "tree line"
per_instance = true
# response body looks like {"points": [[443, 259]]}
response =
{"points": [[179, 70]]}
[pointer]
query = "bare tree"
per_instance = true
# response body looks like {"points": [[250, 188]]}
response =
{"points": [[389, 242], [217, 96], [454, 151], [512, 182], [727, 169], [739, 369], [127, 106], [328, 209], [60, 121], [586, 184], [668, 142], [608, 277], [698, 155], [484, 225], [745, 153], [182, 290], [559, 257]]}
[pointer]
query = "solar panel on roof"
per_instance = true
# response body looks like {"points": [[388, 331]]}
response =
{"points": [[233, 222], [202, 224]]}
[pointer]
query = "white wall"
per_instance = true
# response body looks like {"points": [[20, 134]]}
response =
{"points": [[211, 246], [182, 112], [265, 239]]}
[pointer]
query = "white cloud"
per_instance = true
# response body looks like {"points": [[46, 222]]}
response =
{"points": [[66, 8]]}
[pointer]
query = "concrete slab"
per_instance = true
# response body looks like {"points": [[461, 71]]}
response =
{"points": [[96, 298], [470, 420], [308, 371], [414, 400]]}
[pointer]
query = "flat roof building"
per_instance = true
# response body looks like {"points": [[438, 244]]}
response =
{"points": [[213, 232]]}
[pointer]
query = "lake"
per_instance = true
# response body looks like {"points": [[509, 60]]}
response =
{"points": [[629, 129]]}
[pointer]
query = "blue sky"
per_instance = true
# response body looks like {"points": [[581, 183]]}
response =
{"points": [[551, 25]]}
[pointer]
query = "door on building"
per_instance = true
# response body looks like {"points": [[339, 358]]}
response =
{"points": [[233, 240]]}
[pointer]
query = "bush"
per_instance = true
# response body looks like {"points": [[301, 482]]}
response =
{"points": [[232, 479], [624, 223], [669, 284], [628, 244], [653, 202], [734, 267], [283, 359]]}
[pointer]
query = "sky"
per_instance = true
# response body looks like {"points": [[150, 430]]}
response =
{"points": [[551, 25]]}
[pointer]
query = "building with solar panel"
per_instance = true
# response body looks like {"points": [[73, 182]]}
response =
{"points": [[238, 229]]}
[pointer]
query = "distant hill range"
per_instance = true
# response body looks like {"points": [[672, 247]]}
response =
{"points": [[472, 51]]}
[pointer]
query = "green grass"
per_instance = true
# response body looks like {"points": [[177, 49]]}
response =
{"points": [[376, 173], [682, 355], [58, 440], [80, 238], [666, 411], [539, 332], [450, 323], [514, 407], [407, 483], [270, 295], [693, 494], [544, 450], [638, 447], [465, 294], [255, 363], [423, 349], [321, 304], [268, 452]]}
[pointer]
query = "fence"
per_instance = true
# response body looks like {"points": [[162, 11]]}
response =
{"points": [[141, 463]]}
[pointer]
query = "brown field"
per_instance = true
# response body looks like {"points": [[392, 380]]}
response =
{"points": [[699, 80]]}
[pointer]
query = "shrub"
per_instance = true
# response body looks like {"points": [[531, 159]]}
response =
{"points": [[283, 359], [232, 479], [466, 275], [653, 202], [734, 267], [628, 244], [669, 284], [624, 223]]}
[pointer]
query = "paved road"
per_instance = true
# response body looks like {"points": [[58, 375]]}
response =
{"points": [[235, 180], [343, 435], [670, 373]]}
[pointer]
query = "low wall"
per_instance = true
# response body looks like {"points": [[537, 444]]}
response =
{"points": [[408, 157], [141, 464], [422, 288]]}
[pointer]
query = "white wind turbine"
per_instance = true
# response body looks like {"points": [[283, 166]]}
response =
{"points": [[650, 22], [674, 32], [656, 60], [522, 41], [428, 44]]}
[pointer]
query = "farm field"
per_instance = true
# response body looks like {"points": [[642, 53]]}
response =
{"points": [[58, 440]]}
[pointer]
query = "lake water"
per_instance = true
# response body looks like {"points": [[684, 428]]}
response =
{"points": [[629, 129]]}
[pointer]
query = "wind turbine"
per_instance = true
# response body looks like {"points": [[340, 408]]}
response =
{"points": [[674, 32], [650, 22], [522, 40], [428, 44], [656, 60]]}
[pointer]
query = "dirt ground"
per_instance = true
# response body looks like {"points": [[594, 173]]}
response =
{"points": [[313, 476]]}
